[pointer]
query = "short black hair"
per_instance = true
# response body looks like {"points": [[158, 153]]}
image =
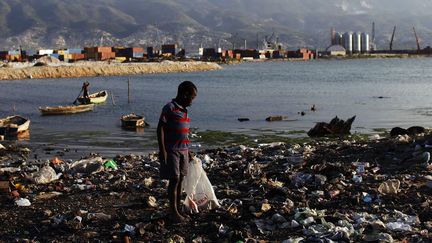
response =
{"points": [[186, 87]]}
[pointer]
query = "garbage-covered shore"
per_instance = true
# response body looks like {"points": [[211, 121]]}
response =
{"points": [[326, 190], [87, 69]]}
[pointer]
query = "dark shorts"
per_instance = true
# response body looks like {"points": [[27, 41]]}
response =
{"points": [[177, 164]]}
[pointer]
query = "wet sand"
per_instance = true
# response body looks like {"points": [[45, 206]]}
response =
{"points": [[87, 69]]}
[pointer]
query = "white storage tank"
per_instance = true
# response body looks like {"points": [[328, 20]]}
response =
{"points": [[348, 41], [357, 42], [365, 46]]}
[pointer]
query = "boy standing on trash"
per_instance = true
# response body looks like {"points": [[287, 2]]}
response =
{"points": [[172, 132]]}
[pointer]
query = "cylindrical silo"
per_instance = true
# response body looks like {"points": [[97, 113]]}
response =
{"points": [[338, 38], [357, 42], [365, 43], [347, 41]]}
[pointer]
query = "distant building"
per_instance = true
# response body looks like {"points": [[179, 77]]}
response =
{"points": [[336, 50]]}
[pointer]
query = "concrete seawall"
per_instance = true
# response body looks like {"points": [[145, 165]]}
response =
{"points": [[87, 69]]}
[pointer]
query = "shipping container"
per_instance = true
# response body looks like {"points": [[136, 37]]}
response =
{"points": [[138, 54], [103, 49], [77, 56], [120, 59], [169, 49], [61, 51], [45, 52], [30, 53], [3, 55], [14, 52], [74, 51], [150, 51], [101, 56], [67, 56], [13, 58], [56, 55], [209, 53]]}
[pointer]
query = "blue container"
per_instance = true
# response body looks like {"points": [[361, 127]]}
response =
{"points": [[30, 52], [75, 51], [56, 55], [138, 54], [14, 52]]}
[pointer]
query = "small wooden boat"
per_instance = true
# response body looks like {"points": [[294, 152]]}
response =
{"points": [[68, 109], [95, 98], [13, 125], [133, 121]]}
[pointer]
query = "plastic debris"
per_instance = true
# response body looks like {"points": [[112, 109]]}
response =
{"points": [[87, 166], [200, 193], [111, 164], [46, 175], [98, 216], [23, 202], [389, 187]]}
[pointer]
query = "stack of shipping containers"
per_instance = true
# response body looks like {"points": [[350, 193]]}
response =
{"points": [[128, 53], [99, 53], [13, 55]]}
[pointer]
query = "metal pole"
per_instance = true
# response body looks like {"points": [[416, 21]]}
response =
{"points": [[112, 98]]}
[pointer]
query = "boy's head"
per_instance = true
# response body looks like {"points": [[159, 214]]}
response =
{"points": [[187, 91]]}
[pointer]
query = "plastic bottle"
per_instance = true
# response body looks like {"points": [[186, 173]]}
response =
{"points": [[111, 164]]}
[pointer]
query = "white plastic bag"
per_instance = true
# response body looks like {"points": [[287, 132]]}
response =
{"points": [[46, 175], [199, 191], [88, 166]]}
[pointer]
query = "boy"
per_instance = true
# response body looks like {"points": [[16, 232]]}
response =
{"points": [[172, 132]]}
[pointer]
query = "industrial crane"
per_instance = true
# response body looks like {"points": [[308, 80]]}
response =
{"points": [[392, 37], [417, 40]]}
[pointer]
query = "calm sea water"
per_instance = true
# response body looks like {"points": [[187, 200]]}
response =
{"points": [[254, 90]]}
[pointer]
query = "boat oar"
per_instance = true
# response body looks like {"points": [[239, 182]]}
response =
{"points": [[77, 97]]}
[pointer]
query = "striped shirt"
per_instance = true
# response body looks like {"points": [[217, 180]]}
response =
{"points": [[176, 126]]}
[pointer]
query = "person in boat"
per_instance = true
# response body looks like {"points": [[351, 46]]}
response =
{"points": [[173, 140], [84, 89]]}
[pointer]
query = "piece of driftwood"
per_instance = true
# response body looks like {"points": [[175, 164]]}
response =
{"points": [[335, 127]]}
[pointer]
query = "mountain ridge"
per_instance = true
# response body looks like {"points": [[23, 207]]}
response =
{"points": [[191, 23]]}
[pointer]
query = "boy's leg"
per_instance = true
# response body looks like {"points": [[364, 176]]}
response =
{"points": [[183, 168], [179, 194], [173, 197]]}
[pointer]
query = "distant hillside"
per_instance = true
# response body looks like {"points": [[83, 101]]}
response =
{"points": [[191, 23]]}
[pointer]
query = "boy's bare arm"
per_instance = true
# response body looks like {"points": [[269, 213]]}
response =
{"points": [[161, 142]]}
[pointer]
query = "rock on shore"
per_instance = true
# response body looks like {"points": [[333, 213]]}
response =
{"points": [[87, 69]]}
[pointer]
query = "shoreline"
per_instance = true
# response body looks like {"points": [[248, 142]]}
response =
{"points": [[272, 191], [92, 69]]}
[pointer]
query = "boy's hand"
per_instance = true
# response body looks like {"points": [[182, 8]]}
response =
{"points": [[162, 157], [191, 155]]}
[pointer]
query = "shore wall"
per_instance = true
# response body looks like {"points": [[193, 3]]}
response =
{"points": [[102, 69]]}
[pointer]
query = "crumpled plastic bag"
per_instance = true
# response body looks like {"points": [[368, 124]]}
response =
{"points": [[46, 175], [87, 166], [389, 187], [199, 191]]}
